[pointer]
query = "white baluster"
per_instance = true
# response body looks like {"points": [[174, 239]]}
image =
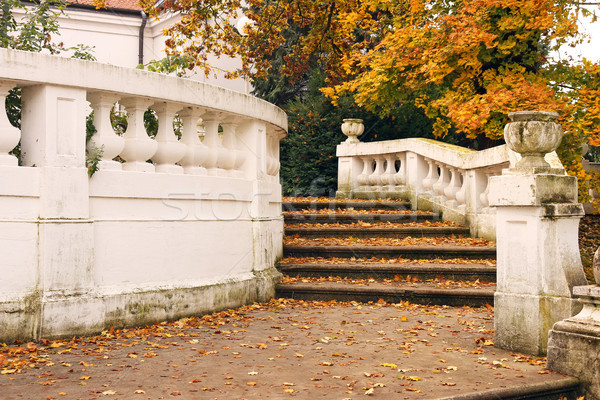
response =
{"points": [[105, 139], [400, 177], [216, 151], [432, 176], [9, 135], [453, 186], [461, 194], [195, 152], [170, 150], [272, 159], [390, 170], [139, 147], [483, 197], [229, 143], [240, 157], [375, 177], [363, 177], [442, 181]]}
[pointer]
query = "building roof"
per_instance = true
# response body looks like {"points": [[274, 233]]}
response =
{"points": [[110, 4]]}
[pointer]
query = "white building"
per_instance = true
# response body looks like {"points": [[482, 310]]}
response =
{"points": [[121, 34]]}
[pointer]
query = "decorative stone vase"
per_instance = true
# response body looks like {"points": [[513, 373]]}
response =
{"points": [[353, 127], [532, 134]]}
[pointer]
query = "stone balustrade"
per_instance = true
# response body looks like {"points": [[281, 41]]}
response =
{"points": [[433, 175], [185, 222]]}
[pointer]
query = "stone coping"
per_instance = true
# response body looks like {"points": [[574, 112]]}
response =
{"points": [[27, 68], [445, 153]]}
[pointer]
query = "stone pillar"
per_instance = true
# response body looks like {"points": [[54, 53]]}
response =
{"points": [[53, 140], [574, 344], [265, 207], [537, 220]]}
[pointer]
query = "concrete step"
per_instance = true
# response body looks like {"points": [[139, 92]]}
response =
{"points": [[425, 271], [419, 293], [567, 388], [345, 204], [354, 218], [382, 232], [409, 252]]}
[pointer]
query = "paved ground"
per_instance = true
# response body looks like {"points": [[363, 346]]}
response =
{"points": [[281, 350]]}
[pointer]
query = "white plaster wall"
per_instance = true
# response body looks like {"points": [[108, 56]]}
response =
{"points": [[115, 41], [78, 254]]}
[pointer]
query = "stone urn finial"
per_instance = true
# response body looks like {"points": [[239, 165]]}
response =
{"points": [[353, 127], [532, 134]]}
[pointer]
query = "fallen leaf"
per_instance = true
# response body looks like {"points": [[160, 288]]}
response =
{"points": [[108, 392], [139, 391]]}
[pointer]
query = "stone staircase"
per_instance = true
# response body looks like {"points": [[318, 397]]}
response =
{"points": [[358, 250]]}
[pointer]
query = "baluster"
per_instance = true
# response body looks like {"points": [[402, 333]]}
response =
{"points": [[453, 187], [400, 177], [390, 170], [169, 150], [105, 138], [461, 195], [272, 159], [432, 176], [240, 157], [442, 181], [363, 177], [229, 143], [139, 147], [375, 177], [9, 135], [483, 197], [195, 152], [213, 143]]}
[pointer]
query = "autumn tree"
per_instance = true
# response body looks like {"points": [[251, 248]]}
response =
{"points": [[465, 63]]}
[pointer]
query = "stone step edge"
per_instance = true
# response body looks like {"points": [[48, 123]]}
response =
{"points": [[425, 249], [375, 289], [319, 205], [408, 230], [359, 217], [540, 390], [387, 267], [460, 272]]}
